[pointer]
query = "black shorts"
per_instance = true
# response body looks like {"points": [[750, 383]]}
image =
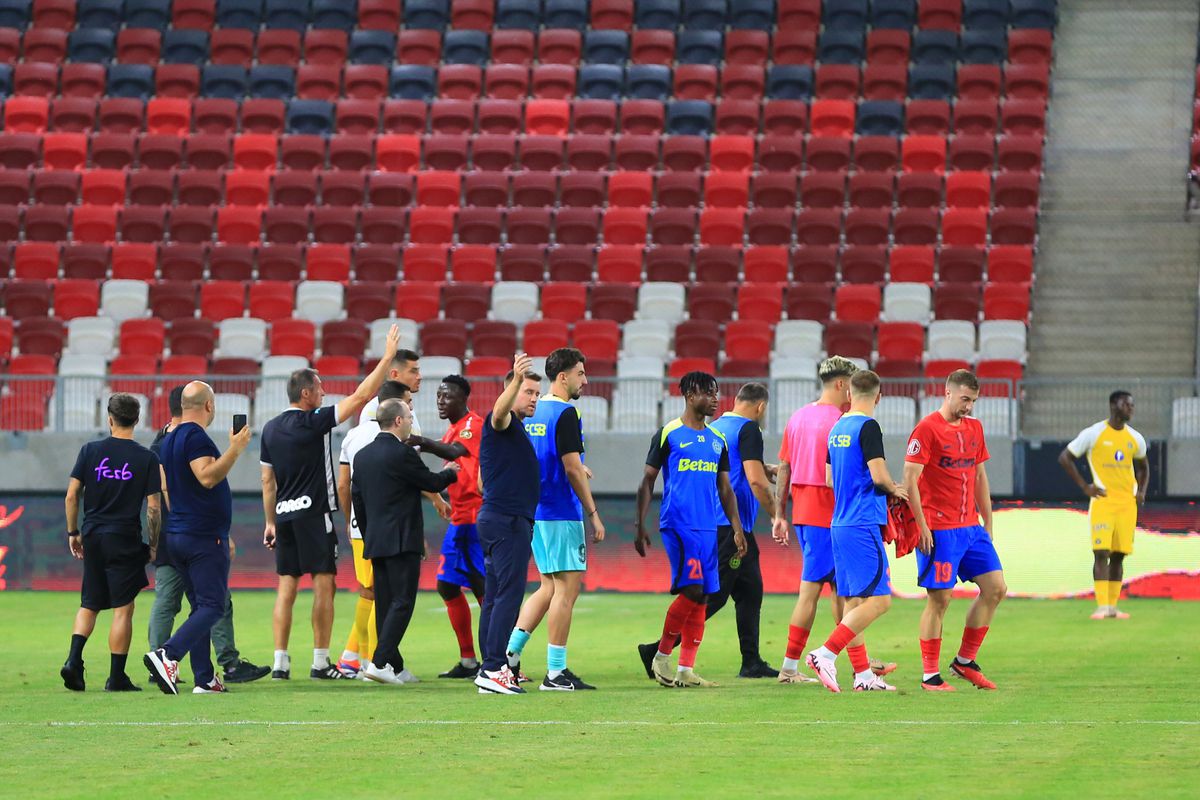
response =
{"points": [[306, 546], [114, 569]]}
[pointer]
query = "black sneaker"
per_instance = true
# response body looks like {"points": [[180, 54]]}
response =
{"points": [[459, 670], [72, 676], [327, 673], [646, 652], [244, 672], [759, 669], [579, 685], [281, 674], [560, 684], [121, 684]]}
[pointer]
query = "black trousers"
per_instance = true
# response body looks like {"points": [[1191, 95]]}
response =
{"points": [[396, 579], [744, 585]]}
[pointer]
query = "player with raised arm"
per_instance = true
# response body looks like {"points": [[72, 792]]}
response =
{"points": [[948, 493], [1116, 456], [861, 483], [694, 460]]}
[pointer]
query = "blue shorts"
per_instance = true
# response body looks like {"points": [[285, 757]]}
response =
{"points": [[817, 546], [958, 554], [462, 555], [558, 546], [860, 561], [693, 558]]}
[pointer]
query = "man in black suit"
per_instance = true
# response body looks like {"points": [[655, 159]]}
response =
{"points": [[388, 478]]}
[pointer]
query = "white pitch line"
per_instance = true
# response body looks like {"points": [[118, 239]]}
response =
{"points": [[596, 723]]}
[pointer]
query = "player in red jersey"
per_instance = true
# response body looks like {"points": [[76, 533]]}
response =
{"points": [[948, 493], [461, 560]]}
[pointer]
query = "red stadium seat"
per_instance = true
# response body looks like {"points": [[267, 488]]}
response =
{"points": [[231, 262], [145, 366], [376, 262], [927, 117], [1014, 226], [960, 264], [567, 301], [864, 263], [964, 226], [1006, 301], [91, 261], [345, 338], [849, 338], [812, 301], [280, 262], [220, 299], [760, 302], [227, 46], [541, 336], [271, 300], [794, 46], [904, 341], [615, 302], [819, 226], [466, 301], [444, 337], [998, 377], [957, 301], [858, 302], [366, 300], [919, 190], [915, 226], [293, 337], [495, 339], [924, 154], [1010, 264]]}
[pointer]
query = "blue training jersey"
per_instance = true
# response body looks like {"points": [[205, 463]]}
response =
{"points": [[556, 430], [853, 441], [744, 440], [689, 460]]}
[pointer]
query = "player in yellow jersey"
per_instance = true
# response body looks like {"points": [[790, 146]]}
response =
{"points": [[1116, 456]]}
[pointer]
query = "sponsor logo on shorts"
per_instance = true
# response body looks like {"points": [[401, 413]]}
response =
{"points": [[288, 506]]}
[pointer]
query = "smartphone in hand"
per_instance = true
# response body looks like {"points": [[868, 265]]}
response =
{"points": [[239, 422]]}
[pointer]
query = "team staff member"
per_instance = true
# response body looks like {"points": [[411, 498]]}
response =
{"points": [[114, 476], [388, 478], [169, 589], [299, 496], [201, 512], [511, 476], [1116, 456], [361, 642], [559, 546]]}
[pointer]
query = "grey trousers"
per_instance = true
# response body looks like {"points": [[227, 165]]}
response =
{"points": [[168, 599]]}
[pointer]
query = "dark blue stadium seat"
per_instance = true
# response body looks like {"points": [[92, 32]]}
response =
{"points": [[340, 14], [606, 47], [465, 47], [600, 82], [372, 47], [526, 15], [184, 46], [689, 118], [224, 80], [840, 47], [91, 44], [985, 14], [934, 47], [984, 46], [880, 118], [99, 14], [705, 15], [931, 82], [14, 13], [131, 80], [790, 82], [412, 82], [310, 116], [845, 15], [751, 15], [147, 14], [239, 14], [700, 47], [286, 14], [648, 82], [660, 15], [271, 81], [893, 14], [5, 79], [1034, 14]]}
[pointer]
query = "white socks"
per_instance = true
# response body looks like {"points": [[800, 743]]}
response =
{"points": [[320, 657], [825, 652], [349, 655], [791, 665], [282, 661]]}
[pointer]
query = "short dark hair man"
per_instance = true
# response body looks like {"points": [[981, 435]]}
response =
{"points": [[112, 477], [387, 482], [201, 513]]}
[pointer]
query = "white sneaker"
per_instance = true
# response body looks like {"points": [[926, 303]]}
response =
{"points": [[163, 670], [215, 686], [826, 670], [384, 674], [501, 681], [406, 676], [874, 683], [663, 673]]}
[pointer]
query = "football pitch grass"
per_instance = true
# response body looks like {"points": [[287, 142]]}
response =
{"points": [[1104, 709]]}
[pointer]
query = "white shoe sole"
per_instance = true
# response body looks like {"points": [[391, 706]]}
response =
{"points": [[381, 679], [492, 687]]}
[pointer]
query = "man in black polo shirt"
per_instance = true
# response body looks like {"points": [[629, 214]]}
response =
{"points": [[114, 476], [508, 466], [299, 479]]}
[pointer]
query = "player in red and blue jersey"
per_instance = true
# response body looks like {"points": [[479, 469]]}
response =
{"points": [[861, 486], [948, 492], [694, 460]]}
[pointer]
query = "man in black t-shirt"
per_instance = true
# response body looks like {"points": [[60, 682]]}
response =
{"points": [[112, 477], [299, 479]]}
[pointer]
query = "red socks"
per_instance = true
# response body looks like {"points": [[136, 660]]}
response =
{"points": [[931, 652], [972, 639], [858, 658], [460, 619], [693, 634], [797, 638], [838, 640], [678, 615]]}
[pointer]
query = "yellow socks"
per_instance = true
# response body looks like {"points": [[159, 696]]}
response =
{"points": [[1114, 593], [1101, 595]]}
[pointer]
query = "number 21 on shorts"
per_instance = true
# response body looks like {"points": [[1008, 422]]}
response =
{"points": [[695, 571]]}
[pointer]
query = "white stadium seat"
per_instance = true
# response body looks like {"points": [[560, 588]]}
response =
{"points": [[410, 336], [896, 415], [661, 300], [633, 412], [1002, 338], [124, 299], [907, 302], [646, 337], [1185, 418], [319, 301], [998, 415], [593, 412], [799, 337], [92, 336], [242, 337], [514, 301], [952, 339], [282, 366]]}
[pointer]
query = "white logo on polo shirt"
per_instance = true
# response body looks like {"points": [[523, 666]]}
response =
{"points": [[288, 506]]}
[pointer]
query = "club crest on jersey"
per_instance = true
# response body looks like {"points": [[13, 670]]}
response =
{"points": [[466, 434], [716, 446], [914, 447]]}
